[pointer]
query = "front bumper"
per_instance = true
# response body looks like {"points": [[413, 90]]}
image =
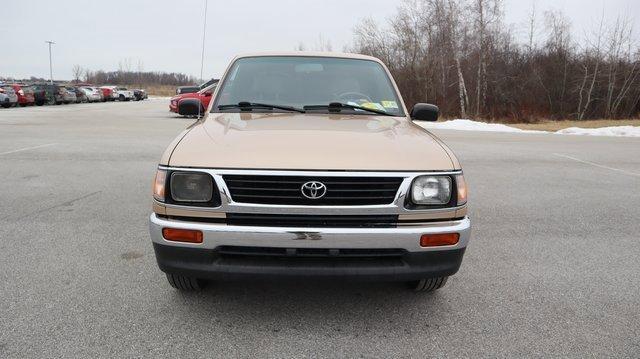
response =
{"points": [[206, 260]]}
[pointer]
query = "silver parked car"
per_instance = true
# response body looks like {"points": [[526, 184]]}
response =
{"points": [[69, 96], [93, 94]]}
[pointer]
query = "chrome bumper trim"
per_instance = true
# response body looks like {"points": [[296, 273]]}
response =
{"points": [[407, 238]]}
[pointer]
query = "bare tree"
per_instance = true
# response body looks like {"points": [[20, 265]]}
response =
{"points": [[532, 26], [454, 36], [594, 53], [619, 48], [442, 50], [88, 74], [323, 44], [77, 71], [487, 12]]}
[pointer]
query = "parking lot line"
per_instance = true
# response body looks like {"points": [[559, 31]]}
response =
{"points": [[598, 165], [27, 149]]}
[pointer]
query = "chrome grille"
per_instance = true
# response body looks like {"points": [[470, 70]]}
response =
{"points": [[286, 190]]}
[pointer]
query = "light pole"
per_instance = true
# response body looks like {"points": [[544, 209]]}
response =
{"points": [[204, 34], [50, 63]]}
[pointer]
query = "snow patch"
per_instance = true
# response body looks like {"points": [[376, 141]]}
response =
{"points": [[617, 131], [468, 125]]}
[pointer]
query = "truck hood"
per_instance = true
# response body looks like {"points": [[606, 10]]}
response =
{"points": [[310, 142]]}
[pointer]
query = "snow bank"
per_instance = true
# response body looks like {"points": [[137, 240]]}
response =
{"points": [[619, 131], [468, 125]]}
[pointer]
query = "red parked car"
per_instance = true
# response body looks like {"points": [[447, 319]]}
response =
{"points": [[25, 94], [107, 93], [204, 96]]}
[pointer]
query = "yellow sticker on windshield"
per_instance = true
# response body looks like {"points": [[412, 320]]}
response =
{"points": [[389, 104], [373, 106]]}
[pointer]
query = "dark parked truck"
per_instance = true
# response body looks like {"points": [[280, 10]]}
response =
{"points": [[53, 94], [140, 94], [311, 166]]}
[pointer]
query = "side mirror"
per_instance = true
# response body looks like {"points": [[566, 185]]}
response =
{"points": [[190, 107], [425, 112]]}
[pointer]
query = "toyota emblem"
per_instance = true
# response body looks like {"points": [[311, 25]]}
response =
{"points": [[314, 190]]}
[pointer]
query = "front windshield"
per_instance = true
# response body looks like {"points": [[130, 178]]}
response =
{"points": [[297, 81]]}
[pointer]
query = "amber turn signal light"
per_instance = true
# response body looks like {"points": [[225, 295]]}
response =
{"points": [[462, 190], [437, 240], [158, 185], [182, 235]]}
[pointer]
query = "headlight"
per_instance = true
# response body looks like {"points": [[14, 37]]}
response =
{"points": [[191, 187], [431, 190]]}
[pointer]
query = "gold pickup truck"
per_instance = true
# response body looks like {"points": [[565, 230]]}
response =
{"points": [[309, 165]]}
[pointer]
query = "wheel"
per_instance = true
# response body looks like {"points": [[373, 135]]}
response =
{"points": [[121, 98], [6, 105], [186, 284], [428, 285]]}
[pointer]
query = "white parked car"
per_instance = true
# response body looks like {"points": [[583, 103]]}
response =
{"points": [[9, 96], [124, 94], [93, 94]]}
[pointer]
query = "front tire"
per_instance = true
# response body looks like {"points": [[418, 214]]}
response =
{"points": [[428, 285], [186, 284]]}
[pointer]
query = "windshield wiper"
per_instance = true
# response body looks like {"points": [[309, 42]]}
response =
{"points": [[338, 106], [248, 106]]}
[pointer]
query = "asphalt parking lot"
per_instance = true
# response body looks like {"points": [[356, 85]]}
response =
{"points": [[552, 269]]}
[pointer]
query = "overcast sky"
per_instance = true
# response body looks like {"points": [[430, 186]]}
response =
{"points": [[166, 35]]}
